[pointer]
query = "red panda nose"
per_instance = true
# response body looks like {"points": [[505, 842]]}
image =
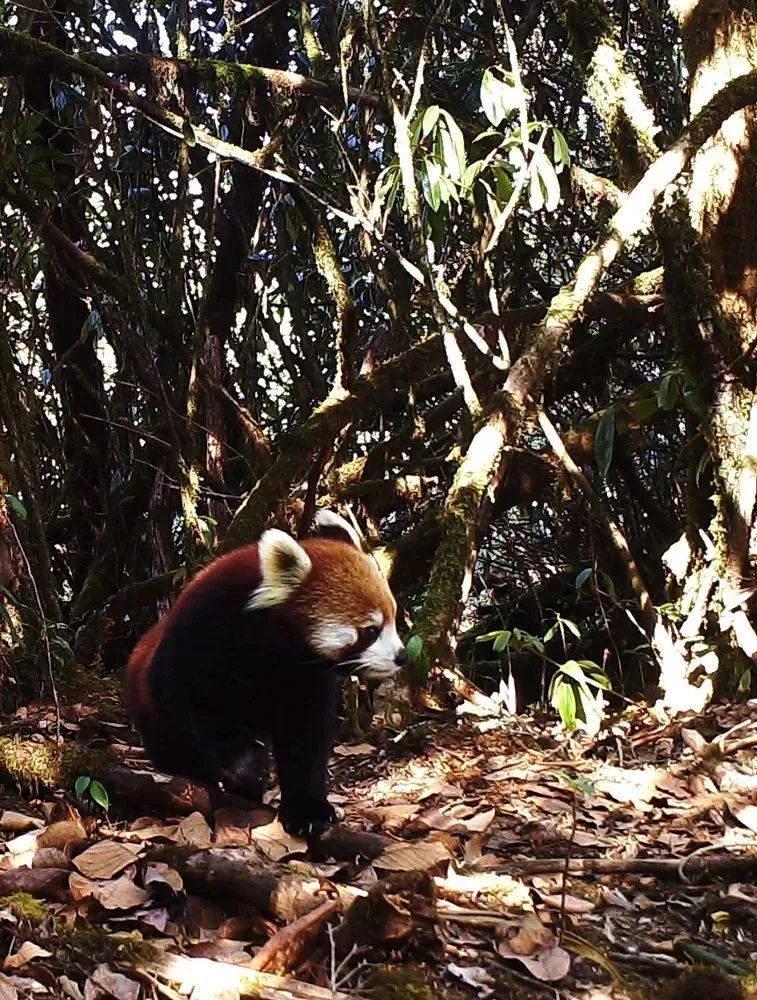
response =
{"points": [[400, 657]]}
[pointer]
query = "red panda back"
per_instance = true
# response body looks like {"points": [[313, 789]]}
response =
{"points": [[239, 570]]}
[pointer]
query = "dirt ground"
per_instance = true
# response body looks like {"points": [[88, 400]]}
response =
{"points": [[478, 857]]}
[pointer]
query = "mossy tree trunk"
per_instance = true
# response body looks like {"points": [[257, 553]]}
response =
{"points": [[720, 44], [710, 305]]}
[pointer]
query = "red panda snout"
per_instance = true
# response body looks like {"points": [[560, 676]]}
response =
{"points": [[384, 657], [373, 650]]}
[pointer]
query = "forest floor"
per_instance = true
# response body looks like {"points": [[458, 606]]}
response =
{"points": [[478, 857]]}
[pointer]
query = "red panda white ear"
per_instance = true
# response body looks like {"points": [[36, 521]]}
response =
{"points": [[283, 566], [327, 524]]}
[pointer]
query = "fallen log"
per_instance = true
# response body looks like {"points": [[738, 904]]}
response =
{"points": [[683, 868], [236, 873], [239, 873]]}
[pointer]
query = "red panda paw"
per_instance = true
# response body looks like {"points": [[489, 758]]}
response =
{"points": [[307, 818]]}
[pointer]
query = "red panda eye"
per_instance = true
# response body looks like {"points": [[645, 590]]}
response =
{"points": [[371, 632]]}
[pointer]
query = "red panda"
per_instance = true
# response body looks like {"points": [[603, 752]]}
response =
{"points": [[251, 657]]}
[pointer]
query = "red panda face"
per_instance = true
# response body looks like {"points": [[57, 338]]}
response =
{"points": [[345, 605]]}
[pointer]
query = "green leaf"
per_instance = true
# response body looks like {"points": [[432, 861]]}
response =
{"points": [[490, 98], [454, 147], [504, 185], [502, 641], [643, 409], [595, 675], [430, 174], [499, 97], [82, 784], [582, 577], [92, 322], [550, 633], [562, 151], [610, 588], [535, 192], [100, 795], [574, 670], [702, 464], [548, 178], [563, 699], [430, 118], [15, 505], [490, 133], [387, 185], [414, 648], [471, 173], [488, 636], [571, 627], [604, 441], [667, 394]]}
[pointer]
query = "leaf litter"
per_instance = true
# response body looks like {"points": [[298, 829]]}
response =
{"points": [[498, 859]]}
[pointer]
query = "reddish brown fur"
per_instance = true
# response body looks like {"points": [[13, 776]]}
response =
{"points": [[344, 585], [239, 568], [217, 684]]}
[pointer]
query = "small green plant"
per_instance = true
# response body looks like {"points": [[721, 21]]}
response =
{"points": [[576, 693], [89, 788], [576, 689]]}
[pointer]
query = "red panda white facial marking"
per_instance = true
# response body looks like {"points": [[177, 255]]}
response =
{"points": [[386, 654]]}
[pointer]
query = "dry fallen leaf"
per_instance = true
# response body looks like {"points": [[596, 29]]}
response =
{"points": [[7, 990], [534, 946], [163, 874], [70, 988], [391, 817], [694, 741], [459, 817], [113, 984], [194, 831], [474, 976], [505, 889], [16, 822], [637, 786], [105, 859], [81, 887], [530, 936], [50, 857], [232, 826], [21, 850], [25, 954], [418, 856], [746, 815], [354, 750], [572, 904], [438, 787], [275, 842], [65, 835], [220, 950], [121, 894], [157, 831]]}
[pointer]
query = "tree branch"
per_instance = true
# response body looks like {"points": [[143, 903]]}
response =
{"points": [[468, 505]]}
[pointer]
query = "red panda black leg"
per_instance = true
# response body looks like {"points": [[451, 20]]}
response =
{"points": [[243, 768], [302, 748]]}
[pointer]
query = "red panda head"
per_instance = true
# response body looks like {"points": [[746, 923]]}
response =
{"points": [[337, 592]]}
